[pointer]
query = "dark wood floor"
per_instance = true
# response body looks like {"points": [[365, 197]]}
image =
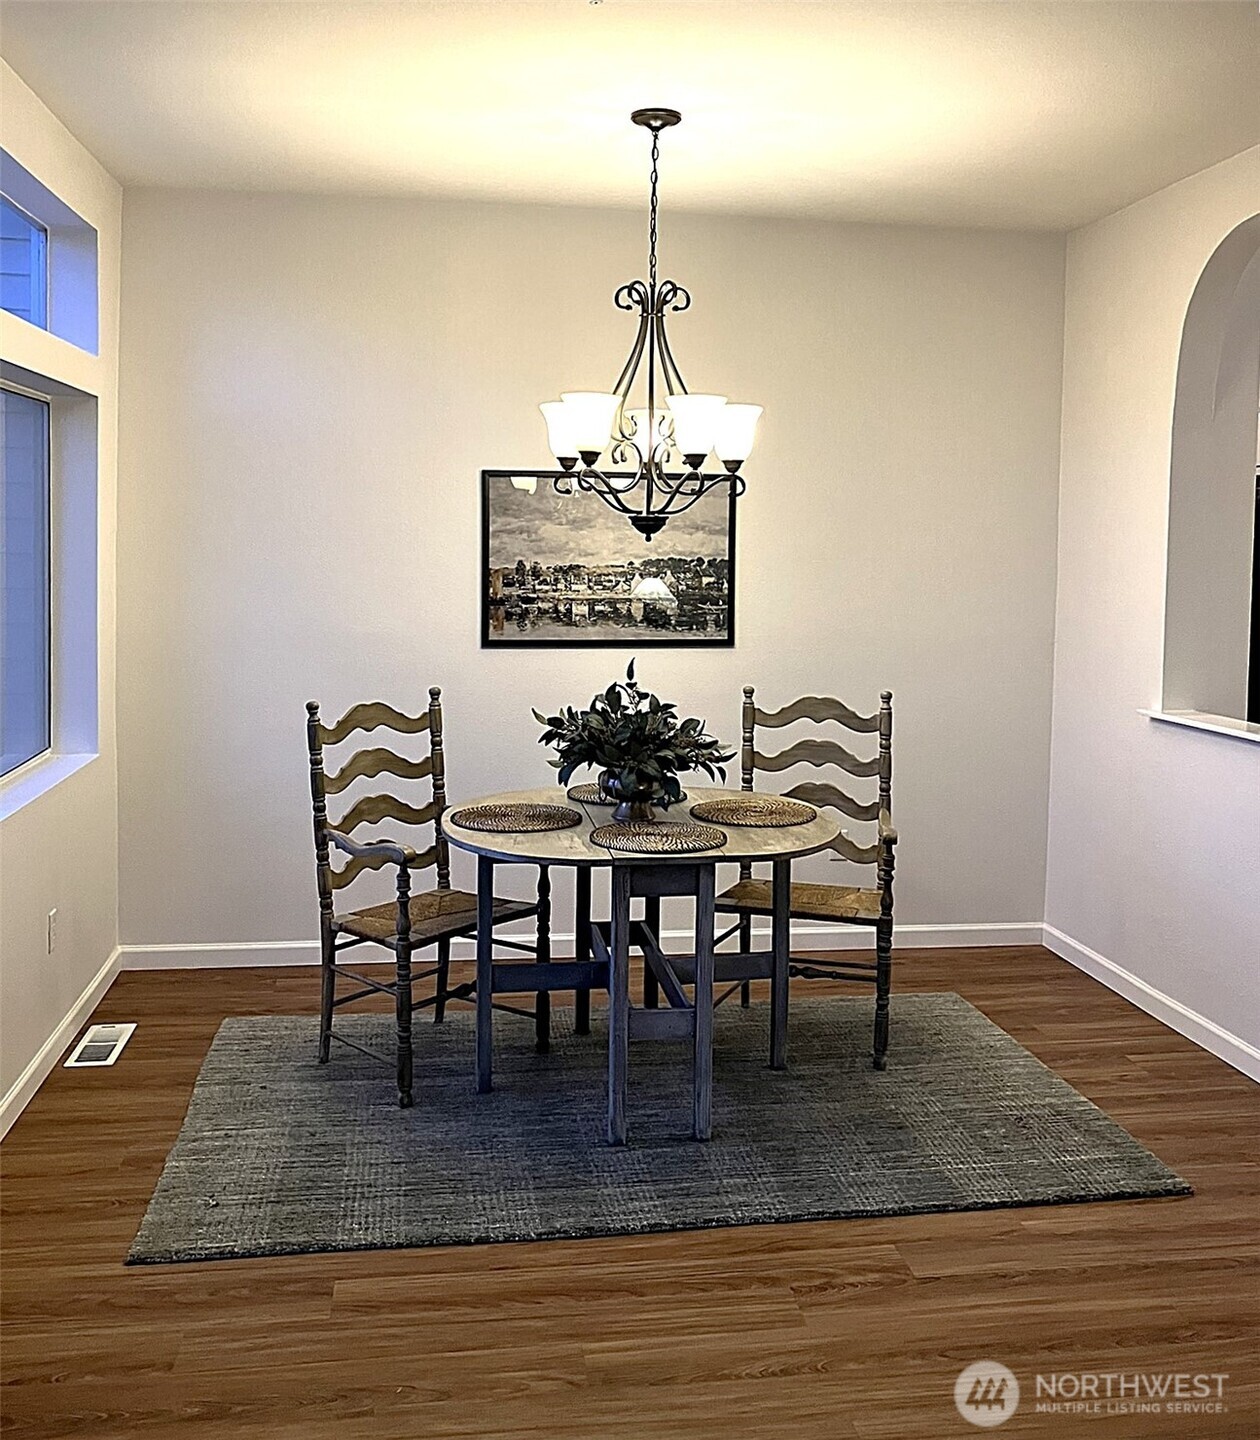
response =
{"points": [[849, 1328]]}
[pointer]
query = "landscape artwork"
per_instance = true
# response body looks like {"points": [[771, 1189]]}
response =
{"points": [[569, 570]]}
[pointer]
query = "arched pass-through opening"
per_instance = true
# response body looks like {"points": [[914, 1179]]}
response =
{"points": [[1208, 641]]}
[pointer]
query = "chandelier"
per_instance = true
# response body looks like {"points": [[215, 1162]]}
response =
{"points": [[664, 448]]}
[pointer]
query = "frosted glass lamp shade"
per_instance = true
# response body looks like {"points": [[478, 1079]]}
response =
{"points": [[696, 419], [560, 436], [590, 414], [736, 431], [528, 483]]}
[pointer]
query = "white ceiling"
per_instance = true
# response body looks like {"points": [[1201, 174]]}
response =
{"points": [[996, 114]]}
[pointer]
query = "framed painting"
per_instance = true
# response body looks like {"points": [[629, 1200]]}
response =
{"points": [[568, 570]]}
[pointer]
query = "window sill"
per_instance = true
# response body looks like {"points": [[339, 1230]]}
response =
{"points": [[29, 782], [1214, 724]]}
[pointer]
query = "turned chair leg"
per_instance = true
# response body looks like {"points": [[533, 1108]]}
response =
{"points": [[327, 993], [402, 1016], [402, 985], [883, 985], [443, 980], [745, 945]]}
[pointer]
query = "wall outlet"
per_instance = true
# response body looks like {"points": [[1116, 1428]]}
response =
{"points": [[52, 930]]}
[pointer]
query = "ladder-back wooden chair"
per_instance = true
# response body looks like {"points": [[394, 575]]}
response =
{"points": [[414, 920], [833, 904]]}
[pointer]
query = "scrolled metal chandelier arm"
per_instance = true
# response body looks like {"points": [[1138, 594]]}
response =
{"points": [[690, 485], [633, 293], [672, 297], [695, 487], [593, 483], [627, 298]]}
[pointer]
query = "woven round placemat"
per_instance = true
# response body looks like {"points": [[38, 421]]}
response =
{"points": [[520, 818], [591, 794], [658, 837], [771, 811]]}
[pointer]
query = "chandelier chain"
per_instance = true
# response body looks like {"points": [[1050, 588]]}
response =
{"points": [[656, 155]]}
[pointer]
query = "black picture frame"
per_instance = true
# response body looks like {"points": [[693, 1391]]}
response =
{"points": [[494, 628]]}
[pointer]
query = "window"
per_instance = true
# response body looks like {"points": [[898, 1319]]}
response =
{"points": [[1210, 643], [50, 436], [48, 264], [25, 581], [23, 264], [1253, 670]]}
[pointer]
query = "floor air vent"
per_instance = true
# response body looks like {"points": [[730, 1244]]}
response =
{"points": [[102, 1045]]}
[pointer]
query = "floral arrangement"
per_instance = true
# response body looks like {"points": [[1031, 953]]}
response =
{"points": [[637, 741]]}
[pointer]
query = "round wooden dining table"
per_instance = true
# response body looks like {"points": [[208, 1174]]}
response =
{"points": [[601, 952]]}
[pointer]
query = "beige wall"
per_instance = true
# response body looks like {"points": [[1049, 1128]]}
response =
{"points": [[61, 849], [310, 387], [1154, 859]]}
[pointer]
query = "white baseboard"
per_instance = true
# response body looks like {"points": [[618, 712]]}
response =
{"points": [[50, 1052], [805, 937], [220, 957], [1198, 1028]]}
